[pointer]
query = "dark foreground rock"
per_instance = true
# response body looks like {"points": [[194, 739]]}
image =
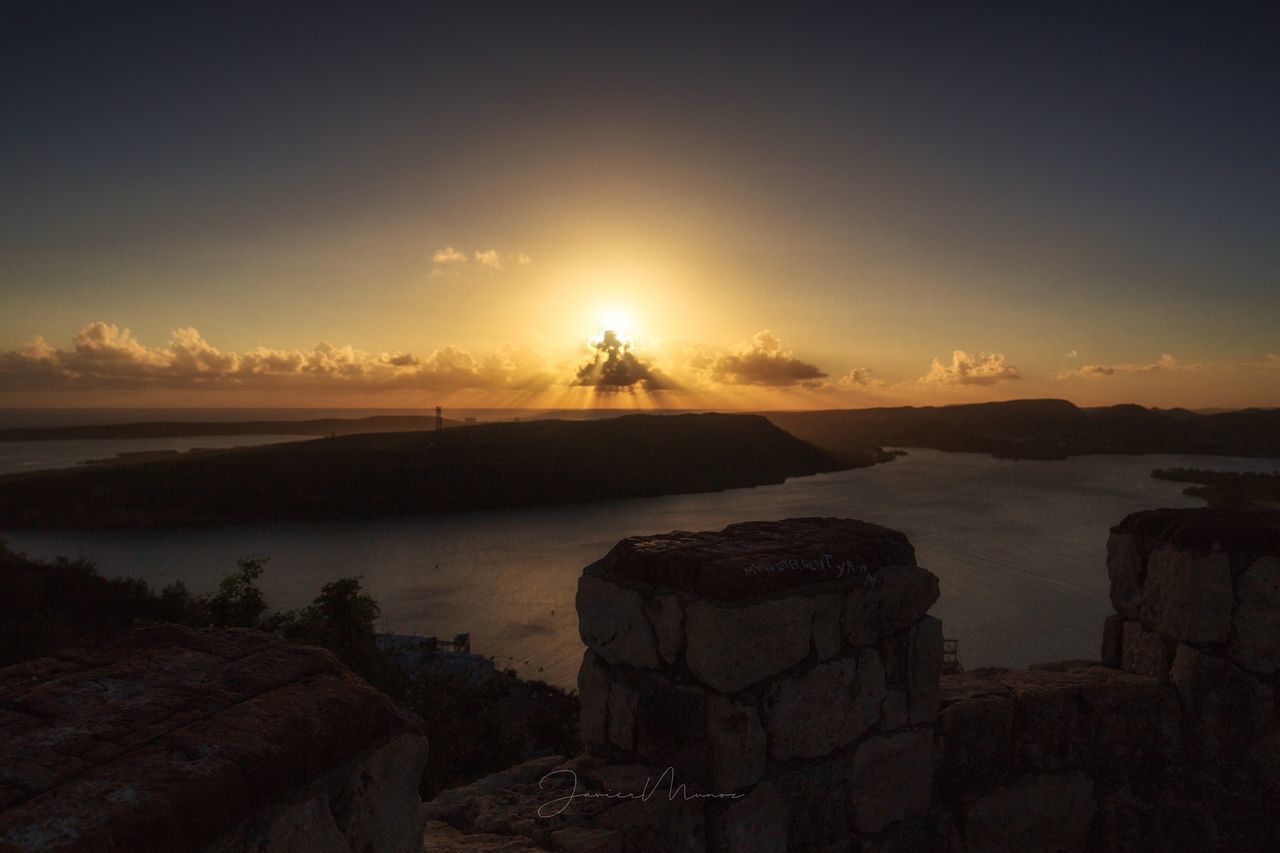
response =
{"points": [[805, 710], [173, 739]]}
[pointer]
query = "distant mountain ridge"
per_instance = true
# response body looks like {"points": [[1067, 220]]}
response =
{"points": [[1039, 429], [188, 429], [486, 466]]}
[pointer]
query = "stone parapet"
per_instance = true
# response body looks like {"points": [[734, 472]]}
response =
{"points": [[791, 662]]}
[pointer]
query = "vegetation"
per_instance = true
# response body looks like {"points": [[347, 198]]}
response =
{"points": [[1226, 488], [477, 726], [488, 466]]}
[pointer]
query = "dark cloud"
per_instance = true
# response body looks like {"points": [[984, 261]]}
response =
{"points": [[763, 361], [615, 367]]}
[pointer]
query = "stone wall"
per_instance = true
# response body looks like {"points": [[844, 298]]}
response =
{"points": [[792, 666], [172, 739], [788, 662]]}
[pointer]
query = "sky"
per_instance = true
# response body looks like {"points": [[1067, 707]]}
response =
{"points": [[786, 206]]}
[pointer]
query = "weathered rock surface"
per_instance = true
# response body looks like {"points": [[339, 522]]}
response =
{"points": [[898, 597], [1058, 716], [1145, 652], [731, 648], [827, 638], [1206, 529], [667, 617], [924, 667], [1225, 709], [613, 624], [892, 778], [825, 709], [1126, 567], [593, 701], [176, 739], [706, 737], [1255, 634], [1187, 596], [757, 823], [440, 837], [758, 557], [976, 744], [1037, 814]]}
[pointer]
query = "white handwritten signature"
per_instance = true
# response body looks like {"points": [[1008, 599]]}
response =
{"points": [[645, 794]]}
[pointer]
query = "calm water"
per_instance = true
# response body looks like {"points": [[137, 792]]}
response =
{"points": [[1019, 547]]}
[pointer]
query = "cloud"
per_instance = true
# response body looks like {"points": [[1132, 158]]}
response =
{"points": [[615, 367], [859, 377], [451, 262], [1072, 354], [104, 356], [448, 255], [763, 361], [981, 369], [1095, 371], [1273, 358], [447, 262]]}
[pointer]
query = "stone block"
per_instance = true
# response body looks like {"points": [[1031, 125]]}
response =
{"points": [[594, 679], [1146, 652], [667, 618], [891, 600], [624, 698], [613, 624], [1187, 596], [706, 737], [892, 779], [733, 647], [976, 736], [1037, 814], [924, 667], [827, 639], [756, 823], [826, 708], [1255, 634], [1112, 640], [1225, 709], [1127, 571], [817, 797]]}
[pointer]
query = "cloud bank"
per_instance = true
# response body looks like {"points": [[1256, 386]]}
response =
{"points": [[104, 356]]}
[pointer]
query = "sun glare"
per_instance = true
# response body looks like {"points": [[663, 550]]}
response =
{"points": [[617, 318]]}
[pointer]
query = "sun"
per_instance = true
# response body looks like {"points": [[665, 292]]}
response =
{"points": [[617, 318]]}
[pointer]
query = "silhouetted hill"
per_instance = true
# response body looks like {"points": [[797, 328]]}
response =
{"points": [[1039, 429], [485, 466], [185, 429]]}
